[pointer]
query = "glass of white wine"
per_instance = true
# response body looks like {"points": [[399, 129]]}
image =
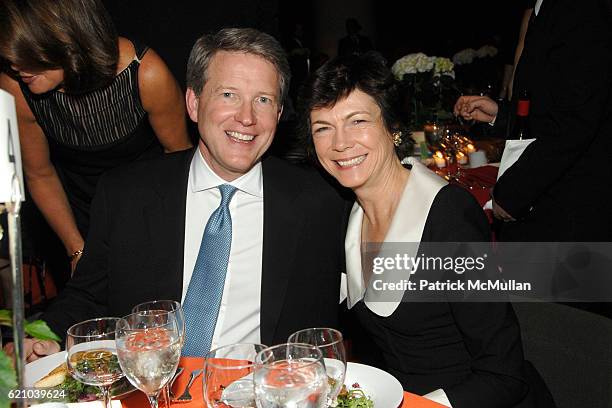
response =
{"points": [[149, 349], [91, 355]]}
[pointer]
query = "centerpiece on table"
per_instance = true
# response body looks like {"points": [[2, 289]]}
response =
{"points": [[429, 93], [427, 83]]}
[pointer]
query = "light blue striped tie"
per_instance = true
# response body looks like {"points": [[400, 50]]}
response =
{"points": [[203, 298]]}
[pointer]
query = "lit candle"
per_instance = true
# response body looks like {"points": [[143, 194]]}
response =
{"points": [[470, 148], [461, 158], [440, 160]]}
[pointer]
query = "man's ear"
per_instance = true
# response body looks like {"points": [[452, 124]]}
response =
{"points": [[192, 101], [280, 113]]}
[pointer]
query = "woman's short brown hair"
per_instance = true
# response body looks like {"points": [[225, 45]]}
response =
{"points": [[77, 36]]}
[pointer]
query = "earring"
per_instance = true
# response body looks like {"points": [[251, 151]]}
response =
{"points": [[397, 138]]}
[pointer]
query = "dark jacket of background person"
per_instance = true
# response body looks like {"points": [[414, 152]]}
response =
{"points": [[560, 187], [135, 249]]}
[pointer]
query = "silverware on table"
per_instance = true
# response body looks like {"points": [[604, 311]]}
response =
{"points": [[179, 371], [185, 396]]}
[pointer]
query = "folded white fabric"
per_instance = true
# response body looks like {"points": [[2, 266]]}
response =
{"points": [[512, 152]]}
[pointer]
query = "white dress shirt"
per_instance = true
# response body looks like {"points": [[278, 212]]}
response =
{"points": [[239, 313]]}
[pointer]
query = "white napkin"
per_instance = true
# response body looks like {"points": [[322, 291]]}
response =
{"points": [[512, 152]]}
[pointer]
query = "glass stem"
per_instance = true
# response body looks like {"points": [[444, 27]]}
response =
{"points": [[106, 395], [166, 393], [153, 400]]}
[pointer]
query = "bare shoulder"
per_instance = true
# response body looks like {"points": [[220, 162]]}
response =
{"points": [[11, 86], [127, 53], [156, 83]]}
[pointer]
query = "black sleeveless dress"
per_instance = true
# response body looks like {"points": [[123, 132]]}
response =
{"points": [[91, 133]]}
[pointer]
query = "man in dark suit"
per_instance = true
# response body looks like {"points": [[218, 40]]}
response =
{"points": [[559, 189], [151, 222]]}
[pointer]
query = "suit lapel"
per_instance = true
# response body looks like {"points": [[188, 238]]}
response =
{"points": [[282, 226], [165, 221]]}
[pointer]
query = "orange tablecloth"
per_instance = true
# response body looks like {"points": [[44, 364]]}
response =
{"points": [[138, 399]]}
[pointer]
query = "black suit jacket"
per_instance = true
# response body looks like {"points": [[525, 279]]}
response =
{"points": [[134, 250], [560, 187]]}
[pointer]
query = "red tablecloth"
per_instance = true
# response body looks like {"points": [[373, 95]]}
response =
{"points": [[138, 399]]}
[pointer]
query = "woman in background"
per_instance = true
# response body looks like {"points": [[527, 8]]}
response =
{"points": [[460, 354], [87, 101]]}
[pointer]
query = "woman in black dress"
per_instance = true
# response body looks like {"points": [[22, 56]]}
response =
{"points": [[457, 353], [87, 101]]}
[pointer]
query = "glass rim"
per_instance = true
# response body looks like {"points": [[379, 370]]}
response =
{"points": [[174, 302], [278, 346], [97, 319], [335, 331], [125, 322], [236, 367], [144, 313]]}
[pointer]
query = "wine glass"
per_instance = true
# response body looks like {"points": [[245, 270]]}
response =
{"points": [[91, 355], [331, 344], [149, 349], [434, 135], [170, 306], [290, 375], [228, 376]]}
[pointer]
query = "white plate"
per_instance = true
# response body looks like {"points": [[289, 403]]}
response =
{"points": [[384, 389], [36, 370]]}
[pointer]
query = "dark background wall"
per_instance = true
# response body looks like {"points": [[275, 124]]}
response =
{"points": [[171, 27], [435, 27]]}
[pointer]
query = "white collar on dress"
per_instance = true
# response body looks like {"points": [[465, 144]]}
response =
{"points": [[407, 226]]}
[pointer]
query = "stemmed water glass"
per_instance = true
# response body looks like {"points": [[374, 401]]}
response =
{"points": [[331, 344], [228, 376], [91, 354], [290, 375], [169, 306], [149, 349]]}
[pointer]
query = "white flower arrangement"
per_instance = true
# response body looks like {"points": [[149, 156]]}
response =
{"points": [[444, 66], [467, 55], [412, 64], [486, 51], [464, 57]]}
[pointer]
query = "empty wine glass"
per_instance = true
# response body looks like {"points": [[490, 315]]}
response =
{"points": [[290, 375], [91, 355], [228, 376], [149, 349], [170, 306], [331, 344]]}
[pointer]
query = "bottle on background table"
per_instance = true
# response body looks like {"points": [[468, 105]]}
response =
{"points": [[521, 130]]}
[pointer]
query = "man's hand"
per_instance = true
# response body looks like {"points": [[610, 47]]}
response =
{"points": [[480, 108], [33, 349], [501, 214]]}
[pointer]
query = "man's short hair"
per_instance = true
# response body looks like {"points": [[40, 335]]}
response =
{"points": [[246, 40]]}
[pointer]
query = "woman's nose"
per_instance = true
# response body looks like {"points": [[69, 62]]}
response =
{"points": [[341, 140]]}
